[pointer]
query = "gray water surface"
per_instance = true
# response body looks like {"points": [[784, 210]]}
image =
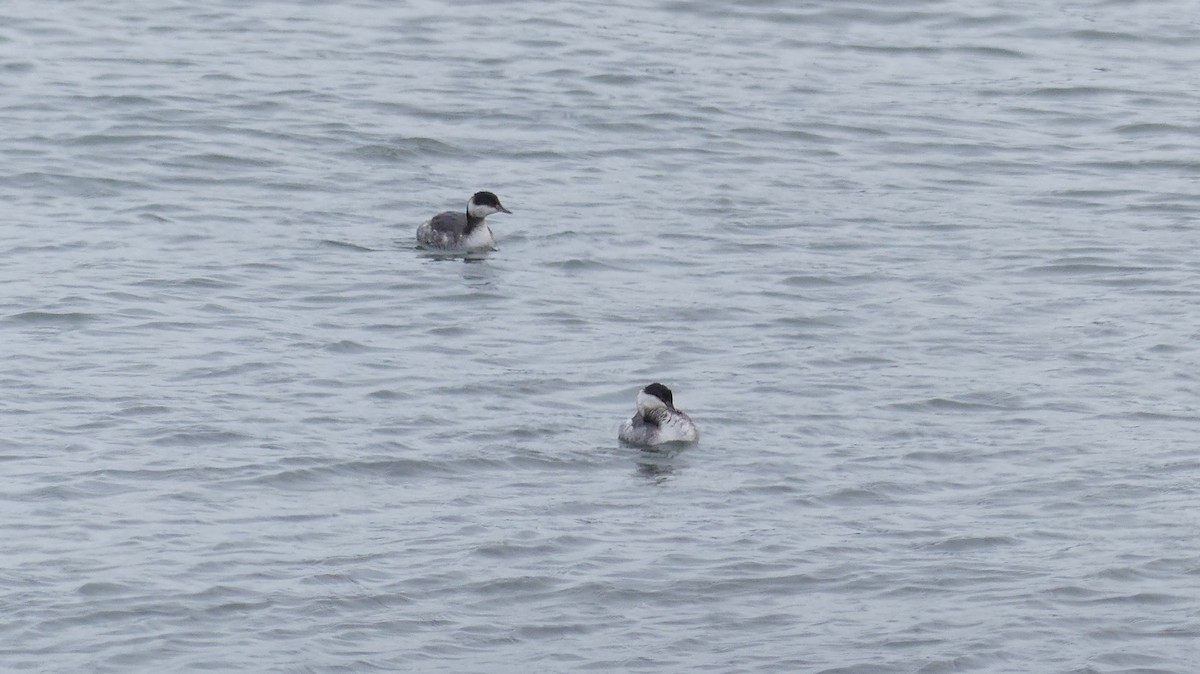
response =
{"points": [[924, 273]]}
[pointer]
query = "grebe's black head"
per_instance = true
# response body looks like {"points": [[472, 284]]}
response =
{"points": [[483, 204], [661, 392]]}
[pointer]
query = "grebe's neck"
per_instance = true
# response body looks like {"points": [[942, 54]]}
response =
{"points": [[472, 221]]}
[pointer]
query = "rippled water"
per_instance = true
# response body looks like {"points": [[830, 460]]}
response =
{"points": [[923, 272]]}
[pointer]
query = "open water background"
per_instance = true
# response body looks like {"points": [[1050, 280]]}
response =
{"points": [[924, 272]]}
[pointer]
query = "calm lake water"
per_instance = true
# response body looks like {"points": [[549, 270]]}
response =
{"points": [[924, 273]]}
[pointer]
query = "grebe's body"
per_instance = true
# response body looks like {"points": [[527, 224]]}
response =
{"points": [[462, 231], [657, 421]]}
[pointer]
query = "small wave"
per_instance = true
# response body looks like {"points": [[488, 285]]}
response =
{"points": [[346, 245], [969, 543], [194, 282], [1104, 36], [406, 149], [226, 371], [120, 101], [100, 139], [854, 496], [350, 346], [218, 160], [620, 79], [68, 319], [143, 410], [388, 394], [944, 457], [71, 184], [949, 405], [1073, 92], [1156, 129], [577, 264], [388, 469], [1086, 268], [201, 437], [809, 281], [103, 589]]}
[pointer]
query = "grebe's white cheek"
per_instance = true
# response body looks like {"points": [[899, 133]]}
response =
{"points": [[480, 211], [645, 401]]}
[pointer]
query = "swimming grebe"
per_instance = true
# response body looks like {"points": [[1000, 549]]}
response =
{"points": [[656, 420], [467, 231]]}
